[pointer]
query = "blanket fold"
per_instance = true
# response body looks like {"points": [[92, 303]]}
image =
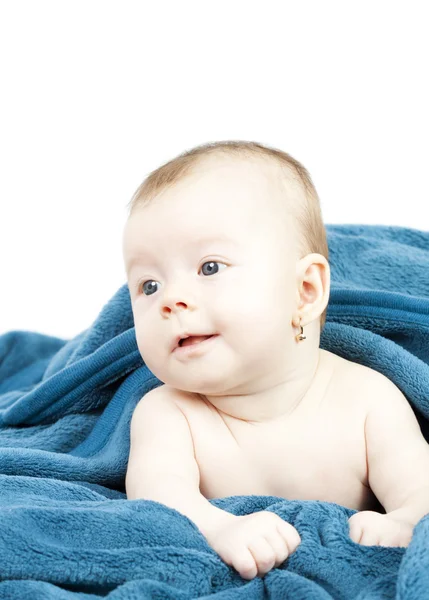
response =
{"points": [[67, 529]]}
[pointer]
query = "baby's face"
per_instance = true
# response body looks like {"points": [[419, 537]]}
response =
{"points": [[213, 255]]}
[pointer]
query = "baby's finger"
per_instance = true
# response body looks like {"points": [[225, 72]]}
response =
{"points": [[245, 564], [263, 554], [277, 542], [289, 534], [355, 532], [369, 538]]}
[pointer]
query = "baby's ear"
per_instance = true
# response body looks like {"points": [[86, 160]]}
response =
{"points": [[314, 282]]}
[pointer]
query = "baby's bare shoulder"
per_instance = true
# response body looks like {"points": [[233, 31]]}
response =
{"points": [[361, 384], [370, 384], [349, 370]]}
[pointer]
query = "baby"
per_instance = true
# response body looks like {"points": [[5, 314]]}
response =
{"points": [[227, 267]]}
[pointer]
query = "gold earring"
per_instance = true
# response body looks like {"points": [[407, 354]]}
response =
{"points": [[300, 337]]}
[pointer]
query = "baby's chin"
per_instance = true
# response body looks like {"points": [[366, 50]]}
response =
{"points": [[197, 385], [211, 381]]}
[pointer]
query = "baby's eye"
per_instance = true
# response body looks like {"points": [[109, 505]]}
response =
{"points": [[212, 269], [150, 288]]}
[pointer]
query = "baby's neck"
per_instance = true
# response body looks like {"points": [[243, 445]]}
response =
{"points": [[283, 399]]}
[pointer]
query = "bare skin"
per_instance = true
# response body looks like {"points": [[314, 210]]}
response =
{"points": [[320, 448]]}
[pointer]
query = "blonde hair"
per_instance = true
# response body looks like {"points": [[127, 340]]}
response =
{"points": [[308, 214]]}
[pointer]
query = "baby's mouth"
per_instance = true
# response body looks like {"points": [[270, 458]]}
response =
{"points": [[194, 339]]}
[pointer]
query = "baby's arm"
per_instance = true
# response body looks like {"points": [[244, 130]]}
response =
{"points": [[162, 467], [398, 468]]}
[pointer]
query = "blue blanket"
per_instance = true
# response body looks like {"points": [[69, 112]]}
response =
{"points": [[66, 528]]}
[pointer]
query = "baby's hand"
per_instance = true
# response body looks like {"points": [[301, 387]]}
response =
{"points": [[254, 544], [370, 528]]}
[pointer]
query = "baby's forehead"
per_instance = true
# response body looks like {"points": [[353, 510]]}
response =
{"points": [[218, 195]]}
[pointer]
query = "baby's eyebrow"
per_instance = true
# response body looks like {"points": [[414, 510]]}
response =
{"points": [[199, 242]]}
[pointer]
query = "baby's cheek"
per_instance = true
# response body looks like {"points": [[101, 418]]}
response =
{"points": [[142, 346], [144, 335], [154, 358]]}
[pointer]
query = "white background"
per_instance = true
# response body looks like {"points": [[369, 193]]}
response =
{"points": [[96, 94]]}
